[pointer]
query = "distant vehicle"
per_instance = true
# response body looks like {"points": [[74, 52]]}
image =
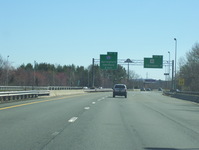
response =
{"points": [[120, 90], [160, 89], [148, 89], [174, 90], [142, 89]]}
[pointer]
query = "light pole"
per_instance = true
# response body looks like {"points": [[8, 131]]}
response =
{"points": [[175, 59]]}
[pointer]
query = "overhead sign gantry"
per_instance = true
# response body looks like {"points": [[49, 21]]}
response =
{"points": [[110, 61]]}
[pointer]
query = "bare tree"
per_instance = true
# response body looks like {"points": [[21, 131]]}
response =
{"points": [[3, 65], [189, 70]]}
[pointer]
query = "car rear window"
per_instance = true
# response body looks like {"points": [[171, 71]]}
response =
{"points": [[120, 86]]}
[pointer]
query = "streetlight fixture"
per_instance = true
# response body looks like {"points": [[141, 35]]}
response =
{"points": [[175, 58], [128, 61]]}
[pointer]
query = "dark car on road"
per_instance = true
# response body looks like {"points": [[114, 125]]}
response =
{"points": [[120, 90]]}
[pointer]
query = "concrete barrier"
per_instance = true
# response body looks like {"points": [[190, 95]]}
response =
{"points": [[75, 92], [65, 92]]}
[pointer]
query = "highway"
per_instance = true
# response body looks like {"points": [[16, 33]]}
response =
{"points": [[97, 121]]}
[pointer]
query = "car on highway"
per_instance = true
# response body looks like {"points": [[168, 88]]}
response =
{"points": [[120, 90], [148, 89]]}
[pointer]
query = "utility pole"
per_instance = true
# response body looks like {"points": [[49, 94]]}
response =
{"points": [[175, 61]]}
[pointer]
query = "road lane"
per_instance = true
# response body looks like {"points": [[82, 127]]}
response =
{"points": [[145, 120], [32, 126], [135, 123]]}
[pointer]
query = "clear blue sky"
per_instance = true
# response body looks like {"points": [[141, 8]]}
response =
{"points": [[75, 31]]}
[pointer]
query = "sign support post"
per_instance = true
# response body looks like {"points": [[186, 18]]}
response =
{"points": [[93, 73]]}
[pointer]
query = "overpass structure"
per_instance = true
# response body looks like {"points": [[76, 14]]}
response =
{"points": [[134, 62]]}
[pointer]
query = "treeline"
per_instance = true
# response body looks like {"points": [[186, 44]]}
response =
{"points": [[45, 74], [189, 69]]}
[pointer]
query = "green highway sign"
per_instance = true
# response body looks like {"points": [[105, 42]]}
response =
{"points": [[109, 61], [155, 62]]}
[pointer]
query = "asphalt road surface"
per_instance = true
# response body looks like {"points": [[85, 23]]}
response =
{"points": [[97, 121]]}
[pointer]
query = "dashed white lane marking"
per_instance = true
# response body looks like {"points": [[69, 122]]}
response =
{"points": [[73, 119], [93, 103], [87, 108], [55, 133], [102, 98]]}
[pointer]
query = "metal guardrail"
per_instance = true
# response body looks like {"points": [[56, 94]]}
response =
{"points": [[188, 92], [184, 95], [182, 92], [20, 95], [10, 93]]}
